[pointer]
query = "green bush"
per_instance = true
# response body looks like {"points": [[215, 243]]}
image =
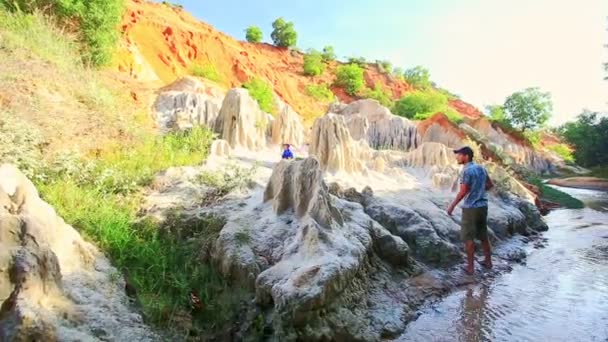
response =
{"points": [[283, 34], [98, 22], [262, 93], [418, 77], [328, 54], [564, 151], [232, 178], [554, 195], [313, 63], [20, 144], [384, 66], [253, 34], [207, 71], [320, 92], [379, 94], [398, 73], [421, 104], [350, 77], [454, 116], [360, 61]]}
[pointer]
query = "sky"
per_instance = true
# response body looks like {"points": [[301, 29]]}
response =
{"points": [[481, 50]]}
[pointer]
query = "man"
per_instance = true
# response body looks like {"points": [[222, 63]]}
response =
{"points": [[474, 182], [287, 154]]}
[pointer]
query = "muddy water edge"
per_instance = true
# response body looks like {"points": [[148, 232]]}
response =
{"points": [[560, 293]]}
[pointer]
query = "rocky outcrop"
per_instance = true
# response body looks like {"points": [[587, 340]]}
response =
{"points": [[438, 128], [243, 123], [514, 152], [187, 103], [220, 148], [368, 120], [287, 127], [54, 286], [333, 145]]}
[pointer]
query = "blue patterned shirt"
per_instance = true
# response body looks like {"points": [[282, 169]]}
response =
{"points": [[474, 176]]}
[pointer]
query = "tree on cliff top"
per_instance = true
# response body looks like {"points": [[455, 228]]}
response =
{"points": [[253, 34], [418, 77], [283, 34], [528, 109]]}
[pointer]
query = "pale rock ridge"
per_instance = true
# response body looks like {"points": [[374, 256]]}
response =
{"points": [[287, 128], [187, 103], [429, 154], [437, 133], [332, 144], [243, 123], [220, 148], [368, 119], [53, 284], [299, 185]]}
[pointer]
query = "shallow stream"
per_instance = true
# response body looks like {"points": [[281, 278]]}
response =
{"points": [[559, 294]]}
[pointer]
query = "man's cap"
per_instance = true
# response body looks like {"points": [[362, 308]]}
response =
{"points": [[465, 150]]}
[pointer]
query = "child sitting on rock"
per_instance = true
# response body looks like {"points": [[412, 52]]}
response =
{"points": [[287, 154]]}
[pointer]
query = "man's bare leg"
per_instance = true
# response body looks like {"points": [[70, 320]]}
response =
{"points": [[469, 248], [487, 251]]}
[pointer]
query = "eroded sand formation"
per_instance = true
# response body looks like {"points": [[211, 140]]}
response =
{"points": [[54, 286]]}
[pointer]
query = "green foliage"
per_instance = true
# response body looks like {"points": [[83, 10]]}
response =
{"points": [[232, 178], [528, 109], [360, 61], [418, 77], [600, 171], [283, 34], [350, 77], [421, 104], [496, 113], [398, 73], [207, 71], [254, 34], [320, 92], [328, 54], [162, 261], [551, 194], [589, 137], [384, 66], [262, 93], [533, 137], [454, 116], [98, 22], [564, 151], [313, 63], [20, 144], [379, 94]]}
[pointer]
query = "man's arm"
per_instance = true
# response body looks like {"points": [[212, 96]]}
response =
{"points": [[464, 190], [489, 183]]}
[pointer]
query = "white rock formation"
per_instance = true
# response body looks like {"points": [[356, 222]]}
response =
{"points": [[220, 148], [517, 153], [332, 144], [287, 128], [187, 103], [244, 124], [367, 119], [54, 286]]}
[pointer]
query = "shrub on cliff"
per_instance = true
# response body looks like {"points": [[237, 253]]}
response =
{"points": [[384, 66], [380, 94], [360, 61], [313, 63], [350, 77], [418, 77], [253, 34], [320, 92], [262, 93], [207, 71], [328, 54], [420, 104], [97, 20], [283, 34]]}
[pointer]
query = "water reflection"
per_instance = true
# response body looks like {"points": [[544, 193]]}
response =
{"points": [[473, 315]]}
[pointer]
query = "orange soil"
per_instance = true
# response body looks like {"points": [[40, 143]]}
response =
{"points": [[465, 109], [163, 42], [442, 120]]}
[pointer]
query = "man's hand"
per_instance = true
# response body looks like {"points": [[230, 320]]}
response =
{"points": [[451, 208]]}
